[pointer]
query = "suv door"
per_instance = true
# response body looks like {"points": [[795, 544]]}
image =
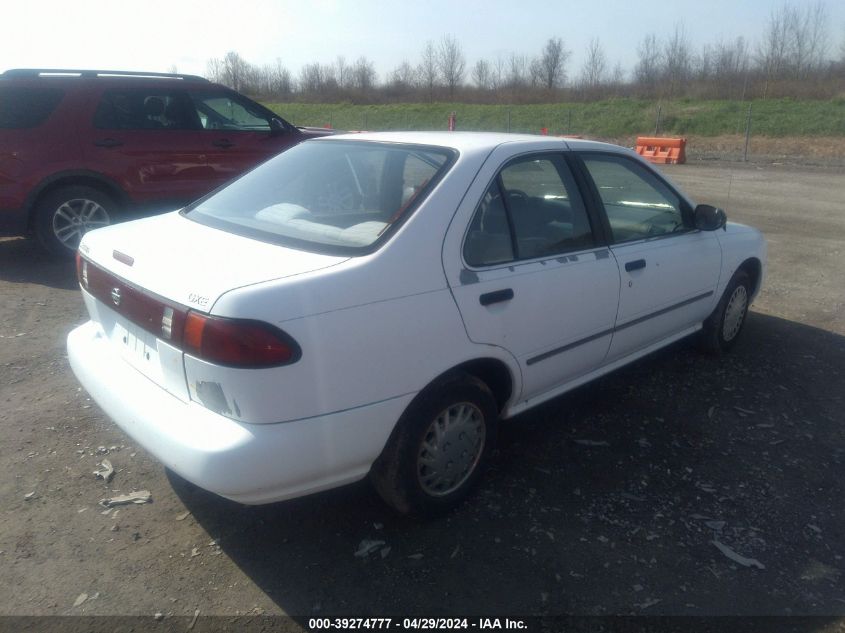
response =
{"points": [[669, 269], [146, 139], [533, 278], [238, 133]]}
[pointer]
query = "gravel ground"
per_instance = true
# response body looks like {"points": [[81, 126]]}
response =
{"points": [[683, 484]]}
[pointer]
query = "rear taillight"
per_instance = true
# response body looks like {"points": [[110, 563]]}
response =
{"points": [[231, 342], [81, 270], [237, 342]]}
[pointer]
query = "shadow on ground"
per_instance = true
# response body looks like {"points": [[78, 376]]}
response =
{"points": [[604, 501], [22, 261]]}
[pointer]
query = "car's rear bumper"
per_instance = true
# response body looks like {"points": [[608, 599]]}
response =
{"points": [[249, 463]]}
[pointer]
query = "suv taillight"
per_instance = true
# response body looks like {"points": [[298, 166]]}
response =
{"points": [[237, 342], [232, 342]]}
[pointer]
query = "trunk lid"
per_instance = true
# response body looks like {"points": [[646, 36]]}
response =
{"points": [[192, 264]]}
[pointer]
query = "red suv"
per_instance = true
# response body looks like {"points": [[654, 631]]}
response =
{"points": [[80, 149]]}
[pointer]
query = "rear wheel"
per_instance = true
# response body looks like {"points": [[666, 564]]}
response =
{"points": [[436, 455], [63, 216], [722, 328]]}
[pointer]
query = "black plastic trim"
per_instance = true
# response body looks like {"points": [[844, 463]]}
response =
{"points": [[613, 330]]}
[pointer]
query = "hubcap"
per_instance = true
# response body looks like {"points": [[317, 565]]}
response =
{"points": [[735, 313], [73, 218], [451, 449]]}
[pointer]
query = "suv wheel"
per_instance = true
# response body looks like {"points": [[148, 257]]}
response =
{"points": [[65, 215]]}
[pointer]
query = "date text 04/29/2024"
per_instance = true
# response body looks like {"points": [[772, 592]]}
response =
{"points": [[430, 624]]}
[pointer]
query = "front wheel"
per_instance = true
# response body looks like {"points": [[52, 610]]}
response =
{"points": [[722, 328], [65, 215], [436, 455]]}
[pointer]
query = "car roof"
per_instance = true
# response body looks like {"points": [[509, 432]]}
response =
{"points": [[469, 141]]}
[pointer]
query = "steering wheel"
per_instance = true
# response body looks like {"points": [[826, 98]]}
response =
{"points": [[518, 194]]}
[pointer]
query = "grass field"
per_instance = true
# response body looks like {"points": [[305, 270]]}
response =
{"points": [[606, 119]]}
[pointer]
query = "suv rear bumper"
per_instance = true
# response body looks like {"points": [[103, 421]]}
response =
{"points": [[248, 463]]}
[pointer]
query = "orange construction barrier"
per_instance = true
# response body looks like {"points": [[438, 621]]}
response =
{"points": [[662, 150]]}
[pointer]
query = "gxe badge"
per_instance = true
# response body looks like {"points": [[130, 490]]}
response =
{"points": [[115, 296]]}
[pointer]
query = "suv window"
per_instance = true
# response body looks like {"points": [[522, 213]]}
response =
{"points": [[26, 107], [143, 110], [532, 209], [637, 203], [222, 111]]}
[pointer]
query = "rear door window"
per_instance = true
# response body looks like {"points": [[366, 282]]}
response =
{"points": [[27, 107], [531, 210]]}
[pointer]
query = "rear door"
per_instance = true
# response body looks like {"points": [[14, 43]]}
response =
{"points": [[147, 140], [669, 270], [533, 277]]}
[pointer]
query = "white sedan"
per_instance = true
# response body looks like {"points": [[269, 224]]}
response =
{"points": [[374, 304]]}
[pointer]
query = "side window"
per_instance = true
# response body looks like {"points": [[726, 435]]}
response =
{"points": [[531, 210], [143, 110], [222, 111], [637, 203], [22, 108]]}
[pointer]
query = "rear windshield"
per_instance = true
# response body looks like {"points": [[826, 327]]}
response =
{"points": [[330, 196], [26, 107]]}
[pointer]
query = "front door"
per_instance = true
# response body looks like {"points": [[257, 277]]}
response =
{"points": [[668, 269], [238, 134]]}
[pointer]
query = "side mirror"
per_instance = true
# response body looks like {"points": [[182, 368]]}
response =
{"points": [[709, 218], [277, 126]]}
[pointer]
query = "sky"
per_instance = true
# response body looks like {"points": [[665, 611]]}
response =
{"points": [[155, 35]]}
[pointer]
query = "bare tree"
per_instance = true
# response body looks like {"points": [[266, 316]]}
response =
{"points": [[617, 75], [214, 70], [427, 70], [235, 71], [451, 62], [341, 72], [647, 70], [363, 74], [552, 63], [809, 38], [772, 50], [677, 59], [311, 79], [842, 49], [403, 76], [482, 74], [517, 71], [595, 65], [499, 71]]}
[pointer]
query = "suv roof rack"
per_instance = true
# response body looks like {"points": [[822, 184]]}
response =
{"points": [[69, 72]]}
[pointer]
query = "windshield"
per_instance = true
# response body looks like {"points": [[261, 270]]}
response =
{"points": [[332, 195]]}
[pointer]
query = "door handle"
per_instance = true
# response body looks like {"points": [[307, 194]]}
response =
{"points": [[635, 265], [496, 297], [108, 142], [223, 142]]}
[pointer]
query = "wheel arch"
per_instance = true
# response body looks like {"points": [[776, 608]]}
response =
{"points": [[72, 178], [753, 267]]}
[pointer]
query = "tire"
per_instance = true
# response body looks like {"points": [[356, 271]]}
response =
{"points": [[722, 328], [63, 216], [412, 475]]}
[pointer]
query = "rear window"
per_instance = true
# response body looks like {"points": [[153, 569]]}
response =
{"points": [[330, 196], [26, 107]]}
